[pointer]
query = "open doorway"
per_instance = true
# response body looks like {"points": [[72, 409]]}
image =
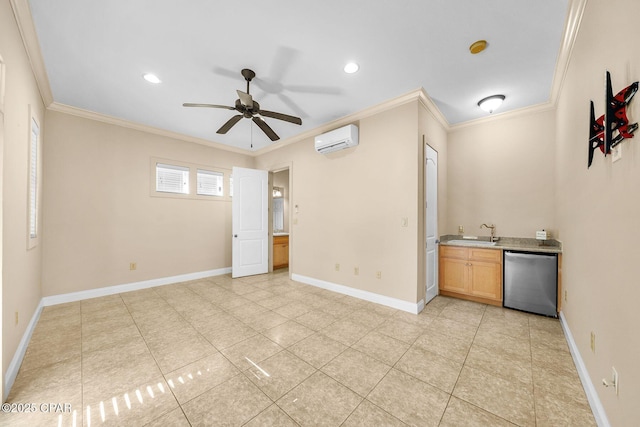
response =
{"points": [[280, 208]]}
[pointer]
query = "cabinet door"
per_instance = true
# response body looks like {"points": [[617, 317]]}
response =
{"points": [[454, 274], [486, 280], [285, 248], [279, 254], [487, 255]]}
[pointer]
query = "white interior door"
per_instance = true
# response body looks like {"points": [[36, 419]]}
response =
{"points": [[431, 196], [250, 222]]}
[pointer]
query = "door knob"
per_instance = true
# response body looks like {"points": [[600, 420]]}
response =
{"points": [[235, 235]]}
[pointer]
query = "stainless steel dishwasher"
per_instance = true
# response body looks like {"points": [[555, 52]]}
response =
{"points": [[531, 282]]}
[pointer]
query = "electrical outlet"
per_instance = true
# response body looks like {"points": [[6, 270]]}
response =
{"points": [[379, 274], [133, 266], [356, 270], [16, 317], [461, 229], [337, 267], [614, 382], [593, 341], [295, 221]]}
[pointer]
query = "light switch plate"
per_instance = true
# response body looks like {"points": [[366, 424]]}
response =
{"points": [[616, 153]]}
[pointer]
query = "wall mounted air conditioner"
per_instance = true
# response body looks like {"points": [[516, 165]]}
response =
{"points": [[337, 139]]}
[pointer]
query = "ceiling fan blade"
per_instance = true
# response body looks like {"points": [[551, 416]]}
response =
{"points": [[266, 129], [280, 116], [245, 98], [320, 90], [232, 121], [226, 107], [292, 105]]}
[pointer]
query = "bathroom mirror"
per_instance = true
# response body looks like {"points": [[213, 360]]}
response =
{"points": [[278, 214]]}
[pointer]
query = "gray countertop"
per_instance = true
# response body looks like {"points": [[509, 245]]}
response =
{"points": [[509, 243]]}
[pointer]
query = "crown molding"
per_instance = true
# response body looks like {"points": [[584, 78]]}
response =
{"points": [[414, 95], [525, 111], [433, 109], [79, 112], [572, 23], [573, 19], [22, 12], [29, 36]]}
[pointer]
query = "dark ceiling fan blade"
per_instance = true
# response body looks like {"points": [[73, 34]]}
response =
{"points": [[266, 129], [233, 74], [226, 107], [280, 116], [292, 105], [245, 98], [285, 57], [232, 121]]}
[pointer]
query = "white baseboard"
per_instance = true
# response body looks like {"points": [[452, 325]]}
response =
{"points": [[410, 307], [14, 366], [127, 287], [592, 396]]}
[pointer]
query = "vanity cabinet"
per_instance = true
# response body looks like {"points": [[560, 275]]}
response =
{"points": [[280, 252], [471, 273]]}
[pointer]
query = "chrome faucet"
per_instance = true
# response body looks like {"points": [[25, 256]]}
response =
{"points": [[493, 230]]}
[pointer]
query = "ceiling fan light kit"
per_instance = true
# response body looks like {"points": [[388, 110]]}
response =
{"points": [[491, 103], [249, 109]]}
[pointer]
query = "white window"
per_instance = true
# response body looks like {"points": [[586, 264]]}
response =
{"points": [[172, 179], [33, 179], [230, 185], [210, 183]]}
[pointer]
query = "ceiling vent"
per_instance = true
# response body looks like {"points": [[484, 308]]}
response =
{"points": [[338, 139]]}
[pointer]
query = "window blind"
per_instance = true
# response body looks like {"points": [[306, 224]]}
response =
{"points": [[33, 180], [209, 183], [172, 179]]}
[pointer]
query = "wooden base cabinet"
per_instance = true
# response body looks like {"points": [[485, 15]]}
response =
{"points": [[280, 252], [471, 273]]}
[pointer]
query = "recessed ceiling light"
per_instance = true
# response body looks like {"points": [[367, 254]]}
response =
{"points": [[491, 103], [351, 68], [478, 46], [151, 78]]}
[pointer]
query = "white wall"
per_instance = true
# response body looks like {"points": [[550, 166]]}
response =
{"points": [[502, 171], [100, 215], [598, 208], [21, 268], [351, 205]]}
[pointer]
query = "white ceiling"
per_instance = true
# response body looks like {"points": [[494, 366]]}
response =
{"points": [[95, 53]]}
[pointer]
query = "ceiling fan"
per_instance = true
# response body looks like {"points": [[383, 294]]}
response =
{"points": [[250, 109]]}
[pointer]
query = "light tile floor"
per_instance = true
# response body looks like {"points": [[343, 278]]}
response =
{"points": [[265, 350]]}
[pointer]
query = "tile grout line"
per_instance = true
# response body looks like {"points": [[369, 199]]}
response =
{"points": [[463, 365]]}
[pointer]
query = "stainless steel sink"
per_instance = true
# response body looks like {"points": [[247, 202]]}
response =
{"points": [[471, 242]]}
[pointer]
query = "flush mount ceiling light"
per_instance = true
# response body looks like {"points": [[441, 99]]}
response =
{"points": [[351, 68], [151, 78], [491, 103], [478, 46]]}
